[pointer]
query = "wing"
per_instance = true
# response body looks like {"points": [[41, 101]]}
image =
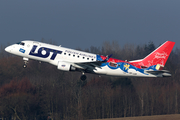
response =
{"points": [[90, 66]]}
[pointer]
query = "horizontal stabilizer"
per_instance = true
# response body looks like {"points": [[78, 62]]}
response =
{"points": [[164, 73]]}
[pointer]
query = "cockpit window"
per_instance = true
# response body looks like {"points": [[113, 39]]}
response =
{"points": [[20, 43]]}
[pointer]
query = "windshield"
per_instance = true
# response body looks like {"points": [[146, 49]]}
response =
{"points": [[20, 43]]}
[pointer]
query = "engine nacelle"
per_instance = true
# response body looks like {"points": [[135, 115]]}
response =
{"points": [[65, 66]]}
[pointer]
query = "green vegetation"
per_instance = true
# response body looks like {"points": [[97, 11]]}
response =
{"points": [[42, 92]]}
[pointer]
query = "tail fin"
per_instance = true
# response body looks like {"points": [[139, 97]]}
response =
{"points": [[158, 57]]}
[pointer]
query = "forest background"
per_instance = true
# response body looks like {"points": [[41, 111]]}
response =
{"points": [[42, 92]]}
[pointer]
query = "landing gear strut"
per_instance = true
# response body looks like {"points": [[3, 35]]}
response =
{"points": [[25, 66], [25, 62]]}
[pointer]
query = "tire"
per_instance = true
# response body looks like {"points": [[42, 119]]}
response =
{"points": [[24, 66], [83, 77]]}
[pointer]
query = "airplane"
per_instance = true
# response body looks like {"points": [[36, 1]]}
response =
{"points": [[74, 60]]}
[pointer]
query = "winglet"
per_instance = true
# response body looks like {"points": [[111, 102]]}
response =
{"points": [[108, 56]]}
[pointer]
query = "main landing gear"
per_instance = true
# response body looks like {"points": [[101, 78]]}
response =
{"points": [[83, 77], [25, 62]]}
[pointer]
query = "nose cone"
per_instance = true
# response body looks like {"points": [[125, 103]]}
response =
{"points": [[8, 49]]}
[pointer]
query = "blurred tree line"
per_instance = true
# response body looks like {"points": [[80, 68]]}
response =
{"points": [[41, 92]]}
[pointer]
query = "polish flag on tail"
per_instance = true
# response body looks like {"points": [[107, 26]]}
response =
{"points": [[158, 57]]}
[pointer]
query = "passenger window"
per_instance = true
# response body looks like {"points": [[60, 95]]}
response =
{"points": [[112, 64]]}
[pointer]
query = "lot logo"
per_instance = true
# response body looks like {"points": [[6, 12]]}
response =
{"points": [[21, 50], [44, 52]]}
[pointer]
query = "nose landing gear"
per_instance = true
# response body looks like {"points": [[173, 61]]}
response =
{"points": [[83, 77], [25, 62], [25, 66]]}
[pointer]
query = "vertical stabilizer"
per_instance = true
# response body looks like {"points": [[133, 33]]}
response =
{"points": [[158, 57]]}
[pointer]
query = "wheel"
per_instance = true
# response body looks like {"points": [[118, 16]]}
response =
{"points": [[24, 66], [83, 77]]}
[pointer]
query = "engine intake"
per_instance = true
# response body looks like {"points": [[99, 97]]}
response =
{"points": [[65, 66]]}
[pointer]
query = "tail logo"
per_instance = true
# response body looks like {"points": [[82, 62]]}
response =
{"points": [[161, 55]]}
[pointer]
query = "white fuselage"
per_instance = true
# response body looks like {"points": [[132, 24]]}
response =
{"points": [[56, 54]]}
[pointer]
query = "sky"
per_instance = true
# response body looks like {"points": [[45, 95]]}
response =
{"points": [[85, 23]]}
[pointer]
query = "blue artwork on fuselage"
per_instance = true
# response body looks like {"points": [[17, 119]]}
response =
{"points": [[124, 66]]}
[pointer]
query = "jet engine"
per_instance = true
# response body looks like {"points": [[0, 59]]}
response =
{"points": [[65, 66]]}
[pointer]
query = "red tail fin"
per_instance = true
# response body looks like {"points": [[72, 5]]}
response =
{"points": [[157, 57]]}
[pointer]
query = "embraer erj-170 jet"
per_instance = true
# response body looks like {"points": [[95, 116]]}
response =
{"points": [[73, 60]]}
